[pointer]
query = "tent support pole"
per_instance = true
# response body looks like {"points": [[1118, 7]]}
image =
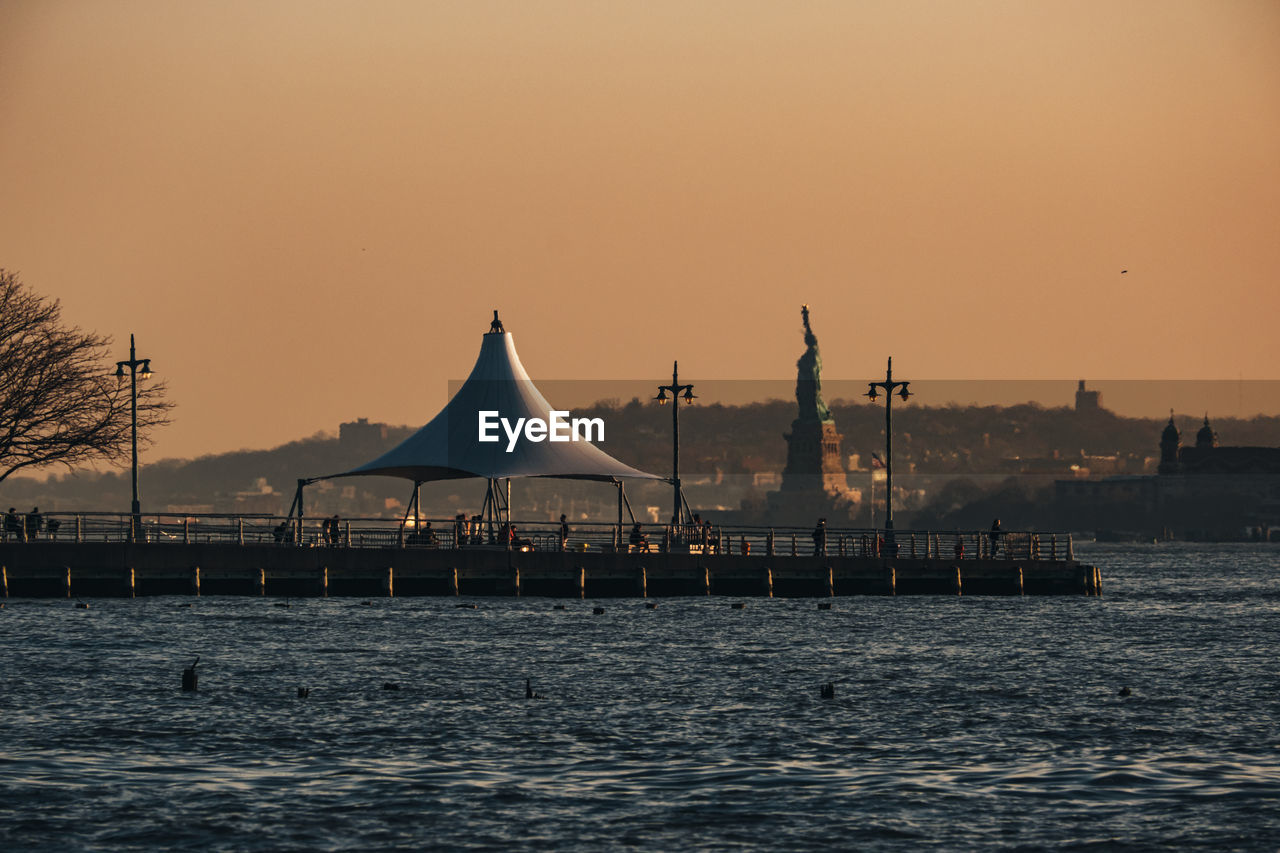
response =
{"points": [[626, 501], [411, 508], [298, 505], [494, 509], [617, 543], [487, 512]]}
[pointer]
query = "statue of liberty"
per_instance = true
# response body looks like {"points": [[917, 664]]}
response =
{"points": [[814, 484], [809, 377]]}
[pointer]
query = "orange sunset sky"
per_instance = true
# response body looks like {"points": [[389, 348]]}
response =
{"points": [[307, 210]]}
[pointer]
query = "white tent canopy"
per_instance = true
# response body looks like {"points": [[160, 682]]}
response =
{"points": [[448, 447]]}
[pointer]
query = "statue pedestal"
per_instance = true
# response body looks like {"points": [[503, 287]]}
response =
{"points": [[813, 483], [813, 458]]}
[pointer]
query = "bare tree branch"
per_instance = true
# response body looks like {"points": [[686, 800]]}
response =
{"points": [[60, 403]]}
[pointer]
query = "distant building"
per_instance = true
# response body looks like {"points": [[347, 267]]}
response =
{"points": [[1087, 401], [260, 499], [1204, 491], [360, 437], [1206, 457]]}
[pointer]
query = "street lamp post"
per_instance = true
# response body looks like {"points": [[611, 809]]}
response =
{"points": [[889, 386], [136, 365], [677, 392]]}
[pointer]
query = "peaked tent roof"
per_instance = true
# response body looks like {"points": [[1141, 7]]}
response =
{"points": [[448, 447]]}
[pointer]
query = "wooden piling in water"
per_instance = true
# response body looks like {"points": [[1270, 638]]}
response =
{"points": [[891, 580], [4, 580], [768, 582], [389, 582], [956, 583], [454, 573], [195, 581], [130, 583], [68, 581], [324, 581], [831, 581], [582, 582], [1017, 577], [642, 583], [262, 581]]}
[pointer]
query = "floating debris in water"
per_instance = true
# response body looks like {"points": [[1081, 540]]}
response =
{"points": [[390, 685], [189, 679], [829, 690]]}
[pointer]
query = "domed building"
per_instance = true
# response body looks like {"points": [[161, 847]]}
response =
{"points": [[1170, 441], [1206, 437], [1204, 491], [1206, 457]]}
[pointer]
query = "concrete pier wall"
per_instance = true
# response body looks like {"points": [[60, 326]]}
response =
{"points": [[44, 569]]}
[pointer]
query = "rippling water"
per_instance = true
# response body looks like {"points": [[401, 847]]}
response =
{"points": [[957, 722]]}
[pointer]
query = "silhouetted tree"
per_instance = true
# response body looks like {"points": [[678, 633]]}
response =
{"points": [[60, 404]]}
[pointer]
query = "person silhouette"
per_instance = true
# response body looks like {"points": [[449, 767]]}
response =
{"points": [[638, 540], [820, 537], [35, 523]]}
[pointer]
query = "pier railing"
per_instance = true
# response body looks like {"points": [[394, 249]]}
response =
{"points": [[707, 539]]}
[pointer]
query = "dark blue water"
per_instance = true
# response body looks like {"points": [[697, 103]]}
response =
{"points": [[957, 722]]}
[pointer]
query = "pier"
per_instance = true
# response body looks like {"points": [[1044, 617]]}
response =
{"points": [[96, 555]]}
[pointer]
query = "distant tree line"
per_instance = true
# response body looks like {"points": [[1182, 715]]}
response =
{"points": [[963, 454]]}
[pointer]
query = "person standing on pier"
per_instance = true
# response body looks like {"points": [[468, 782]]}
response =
{"points": [[996, 533], [332, 529], [820, 538], [35, 523], [564, 531]]}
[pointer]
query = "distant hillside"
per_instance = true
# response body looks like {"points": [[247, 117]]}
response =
{"points": [[722, 448]]}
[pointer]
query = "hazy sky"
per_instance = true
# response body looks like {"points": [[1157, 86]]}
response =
{"points": [[308, 210]]}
